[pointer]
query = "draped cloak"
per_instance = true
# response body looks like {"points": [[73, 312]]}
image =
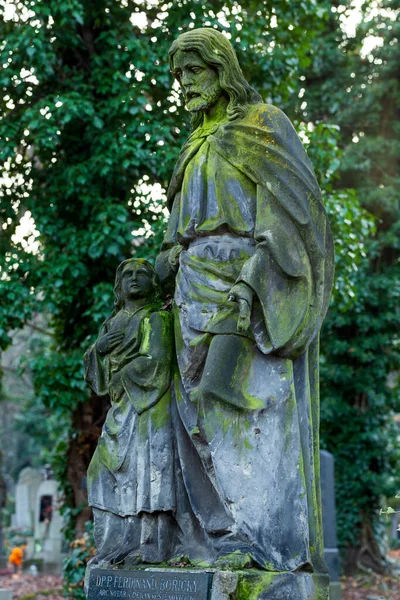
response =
{"points": [[131, 470], [246, 207]]}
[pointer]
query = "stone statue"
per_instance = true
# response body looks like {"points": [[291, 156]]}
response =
{"points": [[131, 476], [249, 251], [216, 459]]}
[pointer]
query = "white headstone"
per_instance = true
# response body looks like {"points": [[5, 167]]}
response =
{"points": [[48, 523], [25, 498]]}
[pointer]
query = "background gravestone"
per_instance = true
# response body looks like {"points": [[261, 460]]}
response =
{"points": [[38, 518], [48, 524], [329, 522], [25, 498]]}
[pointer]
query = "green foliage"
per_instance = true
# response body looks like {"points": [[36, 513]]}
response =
{"points": [[75, 564], [351, 224], [388, 511], [91, 128], [360, 345], [360, 397], [8, 511]]}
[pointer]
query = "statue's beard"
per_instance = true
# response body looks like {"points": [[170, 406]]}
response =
{"points": [[202, 101]]}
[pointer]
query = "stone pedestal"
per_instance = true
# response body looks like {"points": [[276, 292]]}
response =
{"points": [[204, 584], [6, 594]]}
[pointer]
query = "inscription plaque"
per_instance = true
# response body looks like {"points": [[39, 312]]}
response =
{"points": [[149, 585]]}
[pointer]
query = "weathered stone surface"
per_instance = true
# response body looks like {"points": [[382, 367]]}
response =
{"points": [[282, 586], [224, 584]]}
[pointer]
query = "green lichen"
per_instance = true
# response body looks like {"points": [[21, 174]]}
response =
{"points": [[247, 444], [252, 584], [160, 413], [288, 424], [94, 470]]}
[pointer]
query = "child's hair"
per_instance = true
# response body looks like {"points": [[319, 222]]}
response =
{"points": [[156, 287]]}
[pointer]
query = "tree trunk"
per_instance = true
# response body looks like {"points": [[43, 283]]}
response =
{"points": [[367, 556], [87, 423]]}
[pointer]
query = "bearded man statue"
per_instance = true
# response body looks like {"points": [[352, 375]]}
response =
{"points": [[249, 253]]}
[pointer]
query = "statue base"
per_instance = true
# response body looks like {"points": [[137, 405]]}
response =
{"points": [[143, 583]]}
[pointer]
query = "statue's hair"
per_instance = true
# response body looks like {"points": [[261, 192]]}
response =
{"points": [[118, 302], [217, 51]]}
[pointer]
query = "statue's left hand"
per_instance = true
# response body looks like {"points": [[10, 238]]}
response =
{"points": [[243, 295], [116, 386], [173, 257]]}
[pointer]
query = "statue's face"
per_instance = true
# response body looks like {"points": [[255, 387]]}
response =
{"points": [[135, 282], [199, 81]]}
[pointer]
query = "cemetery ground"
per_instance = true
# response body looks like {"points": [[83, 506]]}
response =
{"points": [[371, 586], [361, 587], [30, 587]]}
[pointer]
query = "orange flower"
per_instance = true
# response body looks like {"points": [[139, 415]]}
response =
{"points": [[15, 557]]}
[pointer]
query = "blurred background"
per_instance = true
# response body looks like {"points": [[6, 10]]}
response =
{"points": [[91, 124]]}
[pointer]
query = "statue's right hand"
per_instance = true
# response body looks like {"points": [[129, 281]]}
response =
{"points": [[109, 341]]}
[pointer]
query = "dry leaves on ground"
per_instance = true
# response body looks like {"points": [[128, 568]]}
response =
{"points": [[23, 585], [371, 587]]}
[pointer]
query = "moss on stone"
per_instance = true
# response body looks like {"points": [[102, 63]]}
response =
{"points": [[251, 584], [160, 413]]}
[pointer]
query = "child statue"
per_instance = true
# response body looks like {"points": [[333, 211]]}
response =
{"points": [[131, 475]]}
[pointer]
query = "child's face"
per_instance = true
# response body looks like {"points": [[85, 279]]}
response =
{"points": [[136, 281]]}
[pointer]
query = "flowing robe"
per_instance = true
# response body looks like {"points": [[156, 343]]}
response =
{"points": [[246, 207]]}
